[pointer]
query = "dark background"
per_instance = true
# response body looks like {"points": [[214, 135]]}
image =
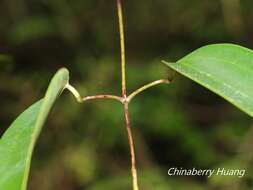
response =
{"points": [[84, 146]]}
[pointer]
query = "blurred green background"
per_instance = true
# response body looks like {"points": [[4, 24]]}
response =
{"points": [[177, 125]]}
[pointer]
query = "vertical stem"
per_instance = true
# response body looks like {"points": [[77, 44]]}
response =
{"points": [[131, 145], [124, 95], [122, 47]]}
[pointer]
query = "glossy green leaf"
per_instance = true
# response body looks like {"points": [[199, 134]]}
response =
{"points": [[17, 143], [225, 69]]}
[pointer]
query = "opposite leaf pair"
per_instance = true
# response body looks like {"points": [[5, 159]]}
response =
{"points": [[225, 69]]}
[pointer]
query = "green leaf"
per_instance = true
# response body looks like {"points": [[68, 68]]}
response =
{"points": [[225, 69], [17, 143]]}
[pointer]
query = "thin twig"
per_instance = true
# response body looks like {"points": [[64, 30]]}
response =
{"points": [[103, 96], [132, 95], [131, 145], [124, 95], [122, 47], [124, 99]]}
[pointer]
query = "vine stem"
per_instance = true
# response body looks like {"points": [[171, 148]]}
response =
{"points": [[124, 95], [124, 99], [122, 47], [103, 96], [131, 145]]}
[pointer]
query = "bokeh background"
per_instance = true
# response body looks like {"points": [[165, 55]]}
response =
{"points": [[84, 146]]}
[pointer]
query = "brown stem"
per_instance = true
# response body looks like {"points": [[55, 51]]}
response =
{"points": [[131, 146], [103, 96], [124, 94], [124, 99]]}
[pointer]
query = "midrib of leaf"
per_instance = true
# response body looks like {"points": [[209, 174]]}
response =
{"points": [[222, 60], [211, 77], [236, 83]]}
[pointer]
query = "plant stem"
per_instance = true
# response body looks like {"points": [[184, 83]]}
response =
{"points": [[86, 98], [131, 145], [103, 96], [124, 99], [122, 47], [141, 89], [124, 95]]}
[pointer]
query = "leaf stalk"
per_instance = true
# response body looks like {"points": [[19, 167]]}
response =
{"points": [[143, 88]]}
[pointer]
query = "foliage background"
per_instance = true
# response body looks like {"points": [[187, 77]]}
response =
{"points": [[179, 125]]}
